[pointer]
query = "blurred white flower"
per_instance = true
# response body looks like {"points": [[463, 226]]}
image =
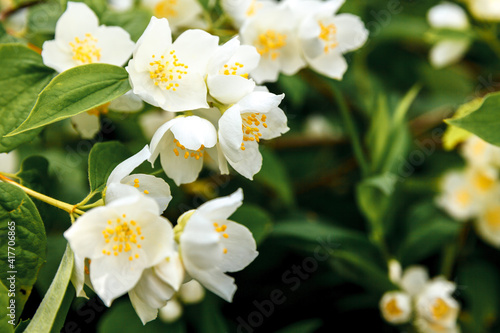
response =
{"points": [[148, 185], [240, 10], [9, 162], [171, 75], [171, 311], [191, 292], [487, 224], [211, 245], [228, 70], [325, 36], [80, 40], [448, 51], [396, 307], [458, 196], [121, 5], [480, 153], [319, 126], [121, 240], [151, 121], [179, 13], [486, 10], [182, 144], [255, 117], [273, 33], [436, 309]]}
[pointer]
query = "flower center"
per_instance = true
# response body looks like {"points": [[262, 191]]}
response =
{"points": [[328, 35], [166, 8], [492, 217], [120, 236], [483, 182], [196, 154], [269, 44], [478, 148], [166, 73], [392, 308], [222, 229], [85, 51], [233, 70], [463, 197], [250, 127], [253, 8], [439, 309]]}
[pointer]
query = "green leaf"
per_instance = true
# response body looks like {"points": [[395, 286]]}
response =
{"points": [[74, 91], [373, 195], [274, 175], [455, 135], [483, 121], [256, 219], [34, 173], [45, 316], [22, 326], [134, 22], [42, 18], [481, 281], [121, 318], [5, 326], [306, 326], [18, 215], [209, 318], [103, 158], [22, 77]]}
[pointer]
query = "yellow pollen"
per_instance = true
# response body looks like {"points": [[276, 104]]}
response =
{"points": [[439, 309], [146, 192], [123, 236], [492, 217], [167, 71], [166, 8], [483, 182], [225, 250], [101, 109], [233, 70], [225, 235], [328, 35], [253, 8], [268, 44], [463, 197], [85, 51], [392, 308], [250, 127]]}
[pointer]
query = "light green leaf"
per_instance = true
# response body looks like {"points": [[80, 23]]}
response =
{"points": [[254, 218], [5, 326], [103, 158], [29, 245], [46, 314], [22, 77], [42, 18], [134, 22], [483, 121], [306, 326], [274, 175], [455, 135], [373, 195], [74, 91]]}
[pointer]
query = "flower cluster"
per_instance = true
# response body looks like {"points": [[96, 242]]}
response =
{"points": [[126, 246], [427, 302], [472, 193], [291, 34], [225, 113]]}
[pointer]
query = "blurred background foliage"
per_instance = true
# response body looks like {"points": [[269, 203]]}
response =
{"points": [[310, 193]]}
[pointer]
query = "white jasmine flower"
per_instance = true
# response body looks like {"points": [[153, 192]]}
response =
{"points": [[121, 240], [228, 70], [150, 186], [191, 292], [259, 117], [487, 224], [180, 13], [480, 153], [171, 311], [486, 10], [483, 181], [241, 10], [325, 37], [182, 144], [211, 245], [157, 285], [273, 33], [80, 40], [396, 307], [171, 75], [414, 279], [320, 127], [448, 16], [436, 309], [457, 196], [121, 5], [9, 162], [151, 121]]}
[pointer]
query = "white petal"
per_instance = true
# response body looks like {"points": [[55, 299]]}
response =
{"points": [[448, 15], [191, 94], [222, 208], [448, 52], [171, 271], [230, 133], [9, 162], [78, 276], [222, 55], [115, 191], [229, 89], [143, 86], [191, 292], [402, 301], [156, 40], [88, 125], [158, 138], [214, 280], [116, 45], [351, 32], [145, 312], [129, 102], [241, 248], [56, 57], [331, 64], [268, 71], [193, 132], [251, 163], [171, 312], [276, 124], [194, 47], [126, 167], [414, 278], [152, 187], [260, 101], [76, 21]]}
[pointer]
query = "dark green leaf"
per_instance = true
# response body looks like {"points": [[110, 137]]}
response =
{"points": [[74, 91], [103, 158], [306, 326], [274, 175], [256, 219], [22, 77], [134, 22], [18, 215], [7, 323]]}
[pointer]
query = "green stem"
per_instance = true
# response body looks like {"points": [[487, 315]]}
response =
{"points": [[351, 130], [10, 175], [42, 197], [98, 203], [451, 252]]}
